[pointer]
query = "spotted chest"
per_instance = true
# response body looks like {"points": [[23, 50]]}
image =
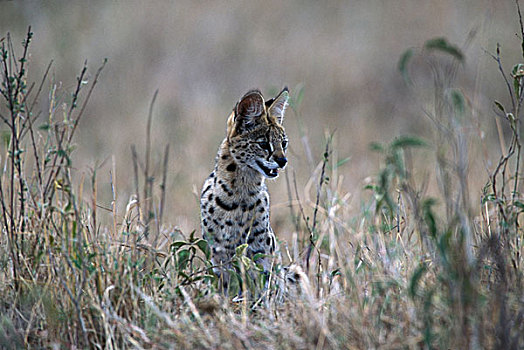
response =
{"points": [[230, 220]]}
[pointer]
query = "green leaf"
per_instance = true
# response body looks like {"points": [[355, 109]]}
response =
{"points": [[428, 331], [500, 106], [519, 204], [241, 249], [335, 272], [74, 228], [192, 234], [398, 160], [441, 44], [408, 141], [183, 258], [443, 246], [429, 217], [371, 187], [518, 70], [458, 101], [517, 73], [488, 198], [384, 179], [204, 247], [246, 261], [342, 162], [77, 262], [183, 275], [258, 256], [403, 65], [415, 279], [376, 147], [177, 244], [234, 283], [64, 155]]}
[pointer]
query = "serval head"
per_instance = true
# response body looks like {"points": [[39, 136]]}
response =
{"points": [[255, 133]]}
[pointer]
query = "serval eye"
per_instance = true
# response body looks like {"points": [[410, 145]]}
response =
{"points": [[284, 144], [264, 145]]}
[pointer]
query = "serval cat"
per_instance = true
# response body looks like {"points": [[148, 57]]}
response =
{"points": [[235, 202]]}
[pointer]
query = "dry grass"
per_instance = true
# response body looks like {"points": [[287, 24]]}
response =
{"points": [[414, 265]]}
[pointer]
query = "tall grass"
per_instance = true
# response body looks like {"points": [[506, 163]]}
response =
{"points": [[409, 270]]}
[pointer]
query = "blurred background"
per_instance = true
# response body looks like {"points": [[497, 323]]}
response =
{"points": [[203, 56]]}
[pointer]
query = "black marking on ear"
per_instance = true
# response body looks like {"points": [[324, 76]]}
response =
{"points": [[225, 206], [231, 167], [269, 102]]}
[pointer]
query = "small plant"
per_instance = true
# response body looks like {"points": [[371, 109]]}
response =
{"points": [[393, 176], [47, 235]]}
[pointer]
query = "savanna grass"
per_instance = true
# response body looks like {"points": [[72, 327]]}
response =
{"points": [[408, 270]]}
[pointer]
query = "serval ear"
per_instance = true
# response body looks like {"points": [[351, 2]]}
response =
{"points": [[278, 107], [248, 110]]}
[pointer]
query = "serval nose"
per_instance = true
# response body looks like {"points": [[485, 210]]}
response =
{"points": [[281, 161]]}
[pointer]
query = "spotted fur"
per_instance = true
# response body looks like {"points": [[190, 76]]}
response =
{"points": [[234, 201]]}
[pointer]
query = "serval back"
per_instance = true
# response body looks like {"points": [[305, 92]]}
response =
{"points": [[234, 201]]}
